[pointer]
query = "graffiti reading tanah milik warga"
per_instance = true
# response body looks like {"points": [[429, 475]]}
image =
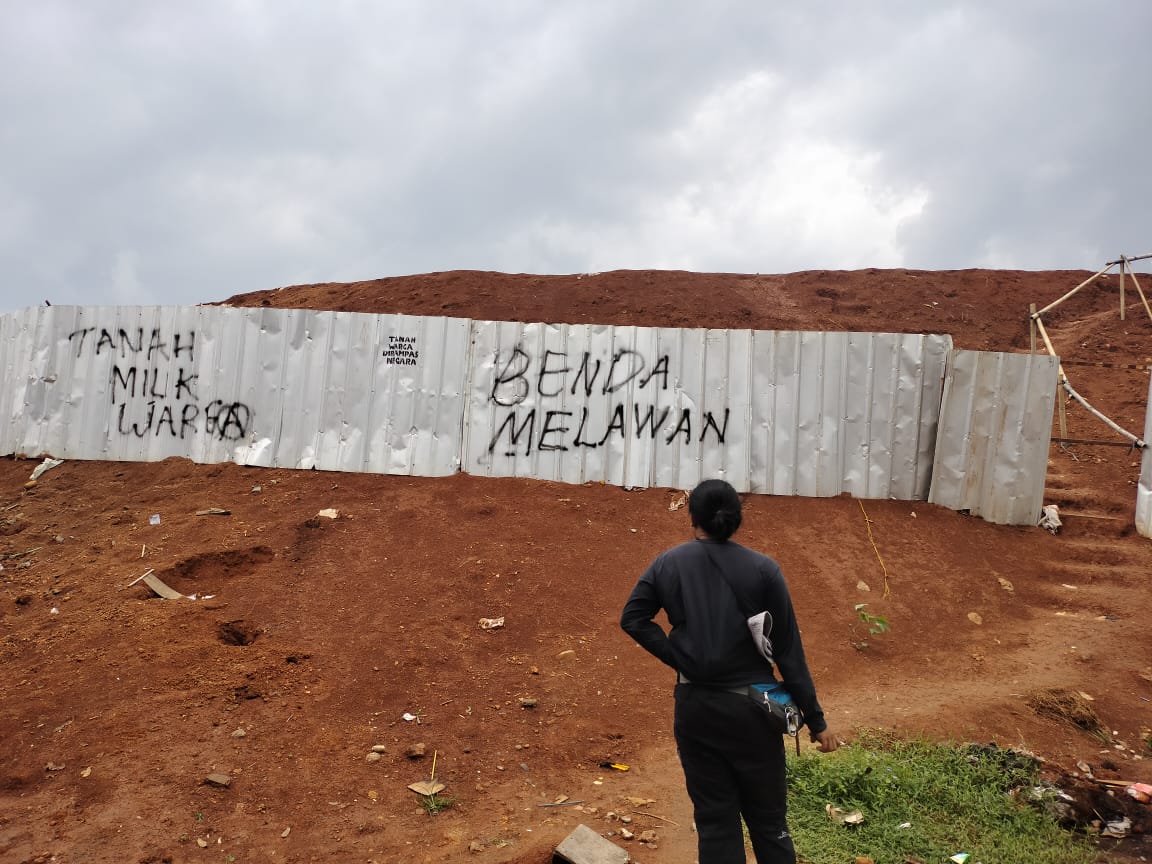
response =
{"points": [[152, 391]]}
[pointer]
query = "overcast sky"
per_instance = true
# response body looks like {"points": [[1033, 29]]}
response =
{"points": [[161, 152]]}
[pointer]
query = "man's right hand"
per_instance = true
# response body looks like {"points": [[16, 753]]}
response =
{"points": [[826, 741]]}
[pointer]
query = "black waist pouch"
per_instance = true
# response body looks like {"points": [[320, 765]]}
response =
{"points": [[782, 710]]}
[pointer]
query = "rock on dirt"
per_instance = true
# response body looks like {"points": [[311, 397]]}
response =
{"points": [[585, 846]]}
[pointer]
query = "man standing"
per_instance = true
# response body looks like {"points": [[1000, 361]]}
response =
{"points": [[732, 758]]}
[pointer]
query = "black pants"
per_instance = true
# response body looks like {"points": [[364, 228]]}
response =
{"points": [[733, 766]]}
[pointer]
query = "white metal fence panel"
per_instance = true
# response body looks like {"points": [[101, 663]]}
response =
{"points": [[844, 412], [995, 430], [295, 388], [1144, 489], [17, 338], [787, 413]]}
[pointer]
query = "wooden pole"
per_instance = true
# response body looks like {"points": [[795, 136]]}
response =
{"points": [[1036, 319], [1061, 378], [1131, 258], [1063, 411], [1032, 327], [1111, 424], [1140, 291], [1123, 267], [1083, 284]]}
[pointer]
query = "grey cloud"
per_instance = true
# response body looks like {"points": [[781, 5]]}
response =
{"points": [[163, 153]]}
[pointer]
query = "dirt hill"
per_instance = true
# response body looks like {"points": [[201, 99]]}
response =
{"points": [[311, 638]]}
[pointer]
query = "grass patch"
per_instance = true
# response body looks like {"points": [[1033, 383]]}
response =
{"points": [[956, 797], [436, 803]]}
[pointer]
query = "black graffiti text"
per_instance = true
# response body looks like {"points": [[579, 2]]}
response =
{"points": [[131, 381], [549, 430], [227, 421], [517, 376], [401, 351], [124, 343], [155, 401]]}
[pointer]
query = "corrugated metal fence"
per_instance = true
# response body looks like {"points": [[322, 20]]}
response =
{"points": [[995, 431], [788, 413]]}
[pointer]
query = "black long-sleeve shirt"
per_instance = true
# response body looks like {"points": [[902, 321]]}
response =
{"points": [[709, 643]]}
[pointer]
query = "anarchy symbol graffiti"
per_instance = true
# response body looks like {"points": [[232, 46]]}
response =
{"points": [[228, 421]]}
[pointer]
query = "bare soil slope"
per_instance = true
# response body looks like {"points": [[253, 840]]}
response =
{"points": [[311, 638]]}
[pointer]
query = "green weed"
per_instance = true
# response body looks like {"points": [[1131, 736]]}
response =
{"points": [[877, 625], [436, 803]]}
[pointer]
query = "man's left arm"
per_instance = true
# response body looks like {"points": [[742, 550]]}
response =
{"points": [[636, 620]]}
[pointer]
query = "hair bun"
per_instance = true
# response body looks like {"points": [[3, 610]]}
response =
{"points": [[715, 508]]}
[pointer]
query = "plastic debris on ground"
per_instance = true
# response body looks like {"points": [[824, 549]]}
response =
{"points": [[160, 588], [1142, 792], [491, 623], [837, 815], [1118, 828], [47, 465], [1050, 518], [154, 519], [427, 787], [329, 513]]}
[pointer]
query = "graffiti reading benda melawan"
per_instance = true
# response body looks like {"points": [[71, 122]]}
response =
{"points": [[153, 388], [535, 399]]}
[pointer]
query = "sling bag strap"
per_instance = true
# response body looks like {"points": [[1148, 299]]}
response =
{"points": [[759, 622], [744, 608]]}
